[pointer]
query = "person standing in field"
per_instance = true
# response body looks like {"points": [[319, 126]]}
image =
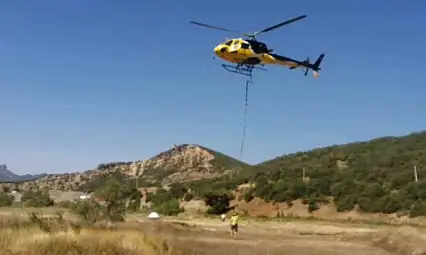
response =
{"points": [[234, 224]]}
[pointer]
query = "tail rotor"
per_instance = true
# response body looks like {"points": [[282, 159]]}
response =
{"points": [[307, 62], [315, 67]]}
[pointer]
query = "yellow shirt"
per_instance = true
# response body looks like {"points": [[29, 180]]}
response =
{"points": [[234, 220]]}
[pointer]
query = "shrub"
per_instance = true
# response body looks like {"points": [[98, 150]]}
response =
{"points": [[188, 196], [218, 202], [89, 210], [36, 198], [248, 196], [169, 208], [5, 199]]}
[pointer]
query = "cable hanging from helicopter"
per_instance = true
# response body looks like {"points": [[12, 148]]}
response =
{"points": [[243, 137], [246, 70], [246, 54]]}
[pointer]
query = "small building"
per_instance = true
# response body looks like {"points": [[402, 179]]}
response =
{"points": [[16, 196], [84, 197]]}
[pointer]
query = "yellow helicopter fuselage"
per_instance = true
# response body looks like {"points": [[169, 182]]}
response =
{"points": [[239, 50], [247, 53]]}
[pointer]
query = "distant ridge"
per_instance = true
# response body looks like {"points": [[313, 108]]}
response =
{"points": [[8, 176], [181, 163]]}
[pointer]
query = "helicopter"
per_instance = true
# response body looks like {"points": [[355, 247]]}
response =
{"points": [[246, 54]]}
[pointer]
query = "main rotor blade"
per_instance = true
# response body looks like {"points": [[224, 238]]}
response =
{"points": [[280, 24], [218, 28]]}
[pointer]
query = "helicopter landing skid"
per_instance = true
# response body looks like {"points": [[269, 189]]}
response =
{"points": [[243, 69]]}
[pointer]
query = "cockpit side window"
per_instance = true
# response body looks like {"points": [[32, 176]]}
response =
{"points": [[229, 42], [236, 42], [245, 45]]}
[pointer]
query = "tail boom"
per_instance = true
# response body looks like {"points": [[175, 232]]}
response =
{"points": [[306, 65]]}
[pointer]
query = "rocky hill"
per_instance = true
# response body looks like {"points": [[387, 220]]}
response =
{"points": [[182, 163], [375, 176], [8, 176], [360, 180]]}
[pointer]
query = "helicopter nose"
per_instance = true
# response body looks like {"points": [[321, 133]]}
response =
{"points": [[219, 49]]}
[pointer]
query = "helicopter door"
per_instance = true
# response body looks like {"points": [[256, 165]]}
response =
{"points": [[235, 46], [245, 48]]}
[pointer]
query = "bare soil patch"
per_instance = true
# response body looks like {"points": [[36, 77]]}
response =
{"points": [[207, 235]]}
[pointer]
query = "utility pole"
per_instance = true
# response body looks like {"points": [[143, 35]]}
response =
{"points": [[415, 174], [137, 179]]}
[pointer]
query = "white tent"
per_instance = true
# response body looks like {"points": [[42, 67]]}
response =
{"points": [[153, 215]]}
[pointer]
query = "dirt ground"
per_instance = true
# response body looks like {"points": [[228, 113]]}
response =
{"points": [[311, 237], [298, 237]]}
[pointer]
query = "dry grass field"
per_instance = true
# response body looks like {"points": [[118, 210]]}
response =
{"points": [[204, 236]]}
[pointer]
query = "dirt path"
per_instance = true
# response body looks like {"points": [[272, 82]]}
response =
{"points": [[281, 238], [301, 246], [300, 228]]}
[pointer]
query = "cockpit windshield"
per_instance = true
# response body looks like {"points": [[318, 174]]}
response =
{"points": [[229, 42]]}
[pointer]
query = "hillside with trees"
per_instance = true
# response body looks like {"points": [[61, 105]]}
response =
{"points": [[375, 176], [372, 176]]}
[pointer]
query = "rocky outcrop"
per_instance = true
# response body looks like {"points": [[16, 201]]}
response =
{"points": [[181, 163]]}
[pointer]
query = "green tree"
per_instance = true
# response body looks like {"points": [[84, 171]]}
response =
{"points": [[5, 199], [134, 197], [169, 208], [36, 198], [89, 210], [218, 202], [178, 190], [115, 196], [389, 203], [312, 205], [248, 196], [418, 209], [345, 203], [188, 196]]}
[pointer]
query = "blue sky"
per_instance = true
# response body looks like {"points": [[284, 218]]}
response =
{"points": [[85, 82]]}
